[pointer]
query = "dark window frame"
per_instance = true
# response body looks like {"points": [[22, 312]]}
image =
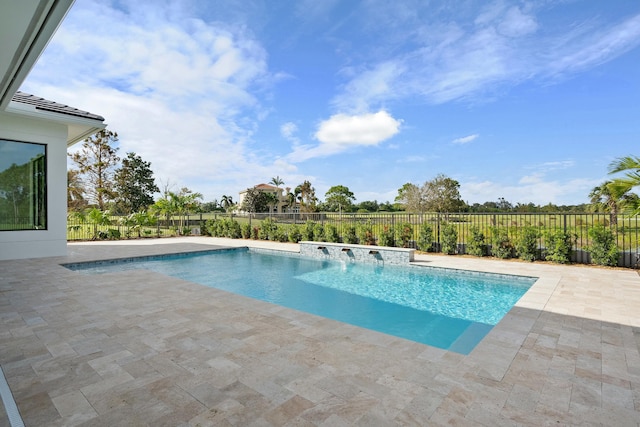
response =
{"points": [[37, 195]]}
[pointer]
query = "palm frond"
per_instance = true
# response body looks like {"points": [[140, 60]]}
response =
{"points": [[626, 163]]}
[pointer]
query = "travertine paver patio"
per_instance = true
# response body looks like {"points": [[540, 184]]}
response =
{"points": [[139, 348]]}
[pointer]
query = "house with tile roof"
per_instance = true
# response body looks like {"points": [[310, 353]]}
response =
{"points": [[283, 203], [34, 136]]}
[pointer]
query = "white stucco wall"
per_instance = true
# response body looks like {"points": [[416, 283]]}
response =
{"points": [[53, 241]]}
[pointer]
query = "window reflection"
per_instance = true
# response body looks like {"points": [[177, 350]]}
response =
{"points": [[23, 186]]}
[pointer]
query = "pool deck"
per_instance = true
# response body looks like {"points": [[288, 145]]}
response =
{"points": [[139, 348]]}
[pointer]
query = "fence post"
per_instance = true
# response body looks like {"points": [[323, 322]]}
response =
{"points": [[438, 234]]}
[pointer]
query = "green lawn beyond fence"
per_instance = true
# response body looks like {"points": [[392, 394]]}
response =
{"points": [[461, 233]]}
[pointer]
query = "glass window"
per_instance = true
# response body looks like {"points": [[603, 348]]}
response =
{"points": [[23, 186]]}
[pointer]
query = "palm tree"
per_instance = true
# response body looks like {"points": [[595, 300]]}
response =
{"points": [[277, 181], [306, 195], [605, 198], [226, 202], [290, 199], [622, 186]]}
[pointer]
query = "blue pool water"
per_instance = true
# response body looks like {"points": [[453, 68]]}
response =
{"points": [[449, 309]]}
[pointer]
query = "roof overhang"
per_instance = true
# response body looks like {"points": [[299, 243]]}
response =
{"points": [[26, 26], [79, 128]]}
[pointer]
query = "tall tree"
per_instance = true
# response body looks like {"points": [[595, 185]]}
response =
{"points": [[254, 201], [339, 197], [96, 161], [134, 184], [75, 191], [442, 194], [306, 195], [272, 200], [410, 197], [290, 198]]}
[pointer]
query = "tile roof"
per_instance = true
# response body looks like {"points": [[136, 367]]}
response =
{"points": [[266, 187], [46, 105]]}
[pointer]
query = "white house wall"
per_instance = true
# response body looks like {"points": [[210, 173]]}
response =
{"points": [[53, 241]]}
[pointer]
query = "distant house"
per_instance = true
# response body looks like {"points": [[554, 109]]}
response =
{"points": [[283, 202], [34, 136]]}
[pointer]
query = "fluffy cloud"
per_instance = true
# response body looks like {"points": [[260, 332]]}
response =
{"points": [[365, 129], [178, 90], [342, 132]]}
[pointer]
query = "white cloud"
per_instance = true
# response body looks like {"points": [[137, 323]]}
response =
{"points": [[480, 52], [287, 130], [465, 139], [369, 87], [364, 129], [341, 132], [178, 91], [517, 24], [586, 47], [551, 166]]}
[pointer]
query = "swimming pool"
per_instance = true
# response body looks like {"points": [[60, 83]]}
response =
{"points": [[445, 308]]}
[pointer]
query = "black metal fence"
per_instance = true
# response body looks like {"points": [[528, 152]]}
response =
{"points": [[625, 229]]}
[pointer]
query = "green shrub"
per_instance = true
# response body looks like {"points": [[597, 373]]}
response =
{"points": [[255, 233], [425, 237], [268, 229], [365, 234], [245, 230], [501, 246], [603, 249], [318, 232], [477, 245], [449, 239], [558, 246], [204, 230], [405, 234], [331, 233], [527, 245], [351, 236], [307, 230], [386, 236], [222, 227], [210, 228], [278, 234], [294, 234], [114, 234], [232, 228]]}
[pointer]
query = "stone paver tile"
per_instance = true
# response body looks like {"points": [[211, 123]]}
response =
{"points": [[74, 408], [288, 410], [38, 410]]}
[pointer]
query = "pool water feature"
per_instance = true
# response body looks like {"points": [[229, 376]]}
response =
{"points": [[449, 309]]}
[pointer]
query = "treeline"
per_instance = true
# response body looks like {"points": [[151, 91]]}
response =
{"points": [[101, 180]]}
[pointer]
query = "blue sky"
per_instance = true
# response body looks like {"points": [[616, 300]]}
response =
{"points": [[529, 101]]}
